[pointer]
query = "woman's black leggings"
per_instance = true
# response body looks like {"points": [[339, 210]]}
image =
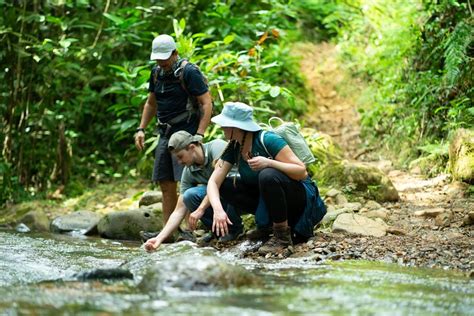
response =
{"points": [[284, 197]]}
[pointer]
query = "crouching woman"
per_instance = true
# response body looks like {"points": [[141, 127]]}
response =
{"points": [[276, 187]]}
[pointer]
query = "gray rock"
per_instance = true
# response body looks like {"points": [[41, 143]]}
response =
{"points": [[372, 205], [332, 215], [333, 193], [36, 221], [359, 225], [352, 207], [82, 221], [150, 197], [380, 213], [433, 212], [444, 219], [189, 273], [341, 199], [127, 225]]}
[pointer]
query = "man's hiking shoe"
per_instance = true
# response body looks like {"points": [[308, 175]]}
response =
{"points": [[259, 234], [231, 236], [185, 235], [207, 239], [147, 235], [280, 241]]}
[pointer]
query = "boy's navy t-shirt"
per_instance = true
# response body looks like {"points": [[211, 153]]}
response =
{"points": [[172, 99]]}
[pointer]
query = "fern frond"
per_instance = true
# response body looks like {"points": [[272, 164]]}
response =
{"points": [[455, 51]]}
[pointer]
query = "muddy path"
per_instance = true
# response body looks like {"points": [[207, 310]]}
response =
{"points": [[429, 226]]}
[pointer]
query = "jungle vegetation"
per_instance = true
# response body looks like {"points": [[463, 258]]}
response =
{"points": [[73, 75]]}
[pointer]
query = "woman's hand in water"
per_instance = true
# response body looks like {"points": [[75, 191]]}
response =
{"points": [[219, 224], [152, 244], [258, 163]]}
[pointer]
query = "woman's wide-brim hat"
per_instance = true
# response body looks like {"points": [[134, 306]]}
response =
{"points": [[237, 114]]}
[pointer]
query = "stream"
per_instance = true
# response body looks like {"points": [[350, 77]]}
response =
{"points": [[39, 276]]}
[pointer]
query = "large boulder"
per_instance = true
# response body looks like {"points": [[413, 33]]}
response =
{"points": [[36, 221], [360, 178], [127, 225], [354, 224], [80, 221], [203, 272], [461, 155]]}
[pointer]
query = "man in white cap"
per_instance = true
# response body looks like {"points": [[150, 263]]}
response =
{"points": [[180, 99]]}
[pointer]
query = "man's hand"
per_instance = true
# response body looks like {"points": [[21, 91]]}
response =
{"points": [[194, 217], [219, 224], [151, 244], [140, 140]]}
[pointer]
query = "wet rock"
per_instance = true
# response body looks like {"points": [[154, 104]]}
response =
{"points": [[359, 225], [461, 155], [82, 221], [22, 228], [36, 221], [104, 274], [150, 197], [191, 273], [126, 225]]}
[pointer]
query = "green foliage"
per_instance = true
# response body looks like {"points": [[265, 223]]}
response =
{"points": [[417, 57], [74, 77]]}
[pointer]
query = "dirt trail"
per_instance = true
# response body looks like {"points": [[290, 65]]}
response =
{"points": [[429, 225], [332, 110]]}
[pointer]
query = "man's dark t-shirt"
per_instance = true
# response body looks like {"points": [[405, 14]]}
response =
{"points": [[172, 99]]}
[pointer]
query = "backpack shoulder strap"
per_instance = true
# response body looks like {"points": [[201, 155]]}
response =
{"points": [[155, 71], [261, 138], [180, 71]]}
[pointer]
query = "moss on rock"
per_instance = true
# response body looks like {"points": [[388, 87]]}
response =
{"points": [[461, 155]]}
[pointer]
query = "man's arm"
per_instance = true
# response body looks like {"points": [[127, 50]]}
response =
{"points": [[171, 225], [149, 111], [205, 107]]}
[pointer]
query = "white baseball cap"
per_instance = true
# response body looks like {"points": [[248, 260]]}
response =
{"points": [[162, 47]]}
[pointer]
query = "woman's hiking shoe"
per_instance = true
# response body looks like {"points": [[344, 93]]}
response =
{"points": [[259, 234], [280, 240]]}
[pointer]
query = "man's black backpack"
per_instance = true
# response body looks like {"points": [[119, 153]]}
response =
{"points": [[192, 106]]}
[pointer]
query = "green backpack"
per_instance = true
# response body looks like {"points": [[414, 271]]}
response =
{"points": [[289, 131]]}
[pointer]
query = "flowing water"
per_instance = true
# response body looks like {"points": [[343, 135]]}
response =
{"points": [[37, 277]]}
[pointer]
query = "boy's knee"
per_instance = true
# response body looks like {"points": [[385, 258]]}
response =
{"points": [[188, 196]]}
